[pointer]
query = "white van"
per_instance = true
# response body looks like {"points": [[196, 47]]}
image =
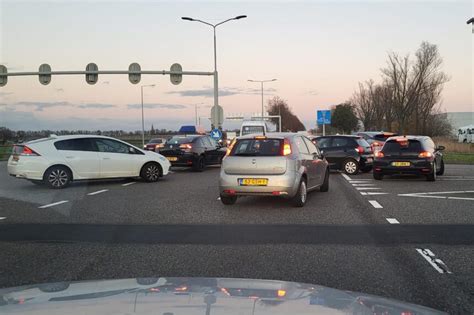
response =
{"points": [[465, 134], [253, 127]]}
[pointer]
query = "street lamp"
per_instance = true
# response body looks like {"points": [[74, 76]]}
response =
{"points": [[261, 82], [471, 21], [216, 93], [143, 115], [196, 106]]}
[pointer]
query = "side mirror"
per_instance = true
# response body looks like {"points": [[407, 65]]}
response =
{"points": [[440, 148]]}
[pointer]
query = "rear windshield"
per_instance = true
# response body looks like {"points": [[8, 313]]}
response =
{"points": [[257, 147], [247, 130], [362, 142], [156, 141], [180, 140], [17, 149], [383, 137], [410, 146]]}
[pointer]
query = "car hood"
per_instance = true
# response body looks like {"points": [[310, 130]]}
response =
{"points": [[188, 296]]}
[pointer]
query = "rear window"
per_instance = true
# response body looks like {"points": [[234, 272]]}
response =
{"points": [[180, 140], [362, 142], [17, 149], [156, 141], [257, 147], [247, 130], [383, 137], [322, 142], [410, 146]]}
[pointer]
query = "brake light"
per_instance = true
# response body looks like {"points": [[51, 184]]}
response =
{"points": [[360, 149], [425, 154], [286, 147], [28, 152], [160, 145], [379, 154], [260, 138]]}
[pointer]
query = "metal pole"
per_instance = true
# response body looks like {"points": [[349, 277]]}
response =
{"points": [[143, 121], [279, 114], [324, 129], [262, 100], [195, 114], [279, 122], [216, 87]]}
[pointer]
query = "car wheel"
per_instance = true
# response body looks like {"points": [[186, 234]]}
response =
{"points": [[366, 169], [151, 172], [350, 167], [378, 176], [441, 169], [53, 287], [325, 186], [432, 177], [57, 177], [199, 165], [299, 199], [228, 200]]}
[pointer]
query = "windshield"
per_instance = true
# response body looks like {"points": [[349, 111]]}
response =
{"points": [[254, 147], [247, 130], [146, 140]]}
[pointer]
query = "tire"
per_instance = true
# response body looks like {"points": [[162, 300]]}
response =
{"points": [[378, 176], [441, 169], [228, 200], [432, 177], [53, 287], [57, 177], [350, 167], [200, 164], [366, 169], [151, 172], [301, 196], [325, 186]]}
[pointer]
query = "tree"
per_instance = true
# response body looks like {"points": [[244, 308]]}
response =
{"points": [[5, 135], [289, 122], [344, 118]]}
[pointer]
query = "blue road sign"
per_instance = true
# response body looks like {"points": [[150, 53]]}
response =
{"points": [[216, 134], [324, 117]]}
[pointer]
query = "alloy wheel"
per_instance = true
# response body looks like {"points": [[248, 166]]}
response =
{"points": [[58, 178]]}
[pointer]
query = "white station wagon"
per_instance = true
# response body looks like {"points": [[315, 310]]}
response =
{"points": [[58, 160]]}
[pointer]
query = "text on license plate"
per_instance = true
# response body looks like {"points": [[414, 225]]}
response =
{"points": [[400, 163], [253, 181], [172, 158]]}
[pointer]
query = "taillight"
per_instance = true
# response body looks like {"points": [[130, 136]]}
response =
{"points": [[360, 149], [425, 154], [286, 147], [281, 293], [186, 146], [229, 148], [161, 145], [379, 154], [28, 152]]}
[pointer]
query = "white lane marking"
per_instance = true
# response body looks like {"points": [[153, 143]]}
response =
{"points": [[128, 184], [3, 218], [363, 193], [360, 185], [392, 221], [53, 204], [454, 179], [436, 263], [97, 192], [345, 176], [218, 198], [460, 198], [366, 188], [376, 193], [375, 204]]}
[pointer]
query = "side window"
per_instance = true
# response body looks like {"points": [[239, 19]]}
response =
{"points": [[213, 142], [83, 144], [301, 146], [312, 148], [323, 142], [339, 142], [111, 146]]}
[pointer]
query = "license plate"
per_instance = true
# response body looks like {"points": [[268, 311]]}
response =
{"points": [[253, 181], [172, 158], [400, 164]]}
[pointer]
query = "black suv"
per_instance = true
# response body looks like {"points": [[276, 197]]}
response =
{"points": [[348, 153], [416, 155], [195, 151]]}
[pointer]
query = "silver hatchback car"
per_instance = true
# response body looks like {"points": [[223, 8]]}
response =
{"points": [[278, 164]]}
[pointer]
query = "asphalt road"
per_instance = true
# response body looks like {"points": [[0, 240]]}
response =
{"points": [[403, 238]]}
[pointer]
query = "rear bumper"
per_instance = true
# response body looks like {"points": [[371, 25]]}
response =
{"points": [[278, 185], [183, 159], [416, 168], [27, 167]]}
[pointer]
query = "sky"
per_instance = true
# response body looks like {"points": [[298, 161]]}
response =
{"points": [[318, 51]]}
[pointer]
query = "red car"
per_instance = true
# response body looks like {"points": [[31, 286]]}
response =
{"points": [[155, 144]]}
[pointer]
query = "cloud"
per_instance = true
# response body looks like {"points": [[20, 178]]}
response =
{"points": [[156, 105], [39, 106], [96, 105], [224, 91]]}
